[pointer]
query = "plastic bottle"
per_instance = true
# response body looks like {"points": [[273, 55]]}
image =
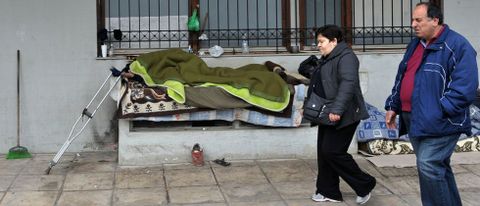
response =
{"points": [[190, 49], [245, 49], [110, 52], [314, 47], [104, 50]]}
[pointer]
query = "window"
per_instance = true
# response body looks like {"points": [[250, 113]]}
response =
{"points": [[380, 22], [267, 25], [146, 23], [231, 21]]}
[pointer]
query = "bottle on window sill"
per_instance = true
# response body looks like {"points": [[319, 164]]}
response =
{"points": [[190, 50], [110, 52], [245, 49], [314, 47], [104, 50]]}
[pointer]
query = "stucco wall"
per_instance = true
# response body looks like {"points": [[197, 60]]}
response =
{"points": [[60, 72], [462, 16], [57, 40]]}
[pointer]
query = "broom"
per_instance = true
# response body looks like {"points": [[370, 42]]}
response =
{"points": [[18, 152]]}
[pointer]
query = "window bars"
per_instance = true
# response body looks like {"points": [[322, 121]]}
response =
{"points": [[268, 25]]}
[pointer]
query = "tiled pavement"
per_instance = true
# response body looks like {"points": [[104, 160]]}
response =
{"points": [[96, 179]]}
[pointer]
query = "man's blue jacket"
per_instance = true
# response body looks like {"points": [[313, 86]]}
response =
{"points": [[445, 85]]}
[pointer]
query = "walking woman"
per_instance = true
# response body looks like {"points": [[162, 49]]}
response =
{"points": [[335, 77]]}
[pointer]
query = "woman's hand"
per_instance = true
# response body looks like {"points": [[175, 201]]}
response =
{"points": [[334, 117]]}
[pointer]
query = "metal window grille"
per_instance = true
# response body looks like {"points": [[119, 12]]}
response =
{"points": [[267, 25]]}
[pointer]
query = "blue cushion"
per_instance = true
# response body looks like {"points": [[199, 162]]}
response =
{"points": [[375, 127]]}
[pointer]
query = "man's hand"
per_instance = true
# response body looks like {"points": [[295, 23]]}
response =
{"points": [[333, 117], [390, 119]]}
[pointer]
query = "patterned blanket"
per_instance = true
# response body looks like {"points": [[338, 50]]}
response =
{"points": [[153, 104], [386, 146], [138, 100]]}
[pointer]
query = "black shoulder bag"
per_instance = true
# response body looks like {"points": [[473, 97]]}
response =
{"points": [[315, 109]]}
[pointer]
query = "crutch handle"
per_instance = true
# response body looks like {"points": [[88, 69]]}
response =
{"points": [[115, 72], [87, 113]]}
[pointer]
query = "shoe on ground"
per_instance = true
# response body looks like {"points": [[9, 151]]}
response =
{"points": [[320, 198], [364, 199]]}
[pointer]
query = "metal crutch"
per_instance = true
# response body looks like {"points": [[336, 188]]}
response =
{"points": [[85, 112]]}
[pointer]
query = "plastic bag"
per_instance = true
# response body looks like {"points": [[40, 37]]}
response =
{"points": [[307, 67], [193, 23], [216, 51]]}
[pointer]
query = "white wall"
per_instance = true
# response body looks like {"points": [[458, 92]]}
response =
{"points": [[57, 39], [462, 16]]}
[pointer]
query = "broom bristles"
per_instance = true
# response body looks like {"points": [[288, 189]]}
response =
{"points": [[18, 152]]}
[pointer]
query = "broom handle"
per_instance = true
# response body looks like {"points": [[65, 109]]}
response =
{"points": [[18, 97]]}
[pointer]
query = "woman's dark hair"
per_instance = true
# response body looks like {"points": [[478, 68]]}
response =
{"points": [[330, 32], [433, 11]]}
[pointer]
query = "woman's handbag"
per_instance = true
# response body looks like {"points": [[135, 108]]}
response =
{"points": [[315, 109]]}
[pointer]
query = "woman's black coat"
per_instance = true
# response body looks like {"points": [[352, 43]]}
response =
{"points": [[340, 82]]}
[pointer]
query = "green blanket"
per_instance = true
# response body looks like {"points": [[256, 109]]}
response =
{"points": [[175, 68]]}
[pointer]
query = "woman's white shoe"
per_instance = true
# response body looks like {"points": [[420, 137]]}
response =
{"points": [[320, 198], [364, 199]]}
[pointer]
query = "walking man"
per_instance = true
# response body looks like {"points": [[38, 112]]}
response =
{"points": [[435, 84]]}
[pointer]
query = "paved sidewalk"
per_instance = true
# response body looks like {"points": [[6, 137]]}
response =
{"points": [[96, 179]]}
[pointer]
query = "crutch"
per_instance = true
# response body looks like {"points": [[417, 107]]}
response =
{"points": [[86, 113]]}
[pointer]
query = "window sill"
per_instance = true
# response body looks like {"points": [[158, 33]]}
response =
{"points": [[130, 54], [379, 49], [116, 57]]}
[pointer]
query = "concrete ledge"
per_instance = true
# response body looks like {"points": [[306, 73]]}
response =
{"points": [[157, 147]]}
